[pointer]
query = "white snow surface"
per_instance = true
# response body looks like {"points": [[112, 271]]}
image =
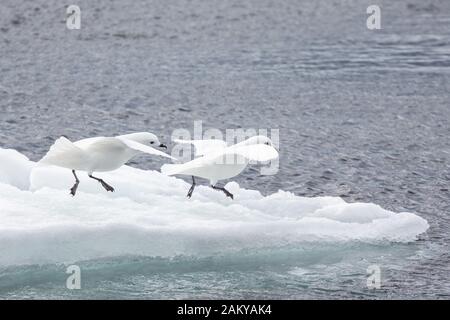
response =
{"points": [[150, 215]]}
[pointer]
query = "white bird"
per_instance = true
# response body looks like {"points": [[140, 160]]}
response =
{"points": [[100, 154], [219, 162]]}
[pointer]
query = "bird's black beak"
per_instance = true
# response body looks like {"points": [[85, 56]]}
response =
{"points": [[162, 145]]}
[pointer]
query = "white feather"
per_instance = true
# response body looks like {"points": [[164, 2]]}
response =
{"points": [[64, 153], [143, 148], [222, 163], [257, 152]]}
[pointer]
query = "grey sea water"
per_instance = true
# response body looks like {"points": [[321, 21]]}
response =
{"points": [[363, 114]]}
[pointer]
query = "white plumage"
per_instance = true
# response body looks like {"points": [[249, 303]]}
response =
{"points": [[219, 162], [100, 154]]}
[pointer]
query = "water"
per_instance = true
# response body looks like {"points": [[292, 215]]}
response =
{"points": [[362, 115]]}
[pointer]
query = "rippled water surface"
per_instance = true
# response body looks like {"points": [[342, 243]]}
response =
{"points": [[364, 115]]}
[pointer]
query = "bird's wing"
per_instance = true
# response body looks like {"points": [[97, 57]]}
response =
{"points": [[182, 168], [143, 148], [85, 143], [257, 152], [204, 147], [64, 153]]}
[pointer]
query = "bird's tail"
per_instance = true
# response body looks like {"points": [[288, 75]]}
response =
{"points": [[64, 153], [171, 169]]}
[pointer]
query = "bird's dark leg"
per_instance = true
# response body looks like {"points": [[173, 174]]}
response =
{"points": [[228, 193], [73, 190], [192, 188], [104, 184]]}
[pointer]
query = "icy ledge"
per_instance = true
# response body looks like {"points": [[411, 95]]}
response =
{"points": [[150, 215]]}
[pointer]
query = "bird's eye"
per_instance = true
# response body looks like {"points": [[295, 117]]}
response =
{"points": [[152, 142], [267, 143]]}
